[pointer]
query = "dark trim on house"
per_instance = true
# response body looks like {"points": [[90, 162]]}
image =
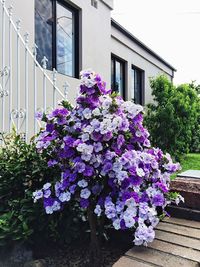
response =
{"points": [[120, 28]]}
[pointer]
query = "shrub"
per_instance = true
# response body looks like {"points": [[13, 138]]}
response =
{"points": [[172, 119], [106, 162], [22, 170]]}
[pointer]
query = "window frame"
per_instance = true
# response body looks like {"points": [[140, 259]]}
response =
{"points": [[142, 72], [76, 54], [123, 62]]}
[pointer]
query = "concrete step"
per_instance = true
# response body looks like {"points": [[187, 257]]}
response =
{"points": [[130, 262], [183, 222], [178, 240], [177, 244], [177, 250], [179, 230], [149, 255]]}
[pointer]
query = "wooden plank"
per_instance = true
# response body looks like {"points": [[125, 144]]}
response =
{"points": [[178, 239], [130, 262], [177, 250], [160, 258], [183, 222], [178, 229]]}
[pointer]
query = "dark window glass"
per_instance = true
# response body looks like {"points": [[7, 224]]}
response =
{"points": [[56, 35], [118, 76], [44, 30], [137, 77], [65, 40]]}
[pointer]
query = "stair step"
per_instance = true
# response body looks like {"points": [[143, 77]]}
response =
{"points": [[188, 223], [178, 240], [177, 244], [179, 230], [177, 250], [159, 258], [130, 262]]}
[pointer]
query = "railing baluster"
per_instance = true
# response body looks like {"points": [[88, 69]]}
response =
{"points": [[26, 86], [54, 87], [18, 73], [35, 86], [10, 66], [3, 65], [66, 89], [44, 65]]}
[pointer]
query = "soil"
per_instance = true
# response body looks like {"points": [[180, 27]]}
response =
{"points": [[77, 255]]}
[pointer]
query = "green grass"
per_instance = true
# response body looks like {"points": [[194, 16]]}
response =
{"points": [[191, 162]]}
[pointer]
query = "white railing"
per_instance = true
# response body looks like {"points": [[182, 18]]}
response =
{"points": [[25, 85]]}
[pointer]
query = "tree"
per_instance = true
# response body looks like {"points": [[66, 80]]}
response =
{"points": [[106, 163], [172, 118]]}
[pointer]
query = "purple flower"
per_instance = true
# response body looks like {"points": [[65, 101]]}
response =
{"points": [[84, 203], [135, 180], [89, 171], [52, 162], [120, 140], [158, 200]]}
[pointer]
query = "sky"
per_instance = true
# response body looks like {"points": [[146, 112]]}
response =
{"points": [[171, 28]]}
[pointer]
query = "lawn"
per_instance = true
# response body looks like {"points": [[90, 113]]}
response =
{"points": [[191, 162]]}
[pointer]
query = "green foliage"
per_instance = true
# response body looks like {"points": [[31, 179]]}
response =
{"points": [[173, 119], [22, 171]]}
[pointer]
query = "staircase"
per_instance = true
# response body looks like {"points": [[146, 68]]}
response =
{"points": [[25, 84], [177, 243]]}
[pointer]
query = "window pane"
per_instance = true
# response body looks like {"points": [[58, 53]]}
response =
{"points": [[133, 85], [65, 40], [112, 74], [43, 30], [119, 78], [138, 87]]}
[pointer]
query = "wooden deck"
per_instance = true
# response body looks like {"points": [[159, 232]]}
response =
{"points": [[177, 243]]}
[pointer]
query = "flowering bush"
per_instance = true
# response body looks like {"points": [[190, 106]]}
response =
{"points": [[106, 161]]}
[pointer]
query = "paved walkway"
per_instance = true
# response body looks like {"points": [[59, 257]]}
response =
{"points": [[177, 244]]}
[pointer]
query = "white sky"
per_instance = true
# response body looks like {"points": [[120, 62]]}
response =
{"points": [[171, 28]]}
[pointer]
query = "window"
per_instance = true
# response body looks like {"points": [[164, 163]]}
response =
{"points": [[118, 76], [137, 91], [56, 35]]}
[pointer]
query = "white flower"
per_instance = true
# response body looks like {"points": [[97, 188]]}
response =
{"points": [[96, 112], [98, 210], [85, 193], [138, 133], [85, 137], [121, 175], [87, 113], [116, 224], [46, 186], [117, 166], [66, 196], [140, 172], [83, 183], [49, 209], [38, 194], [56, 206], [89, 129], [129, 221]]}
